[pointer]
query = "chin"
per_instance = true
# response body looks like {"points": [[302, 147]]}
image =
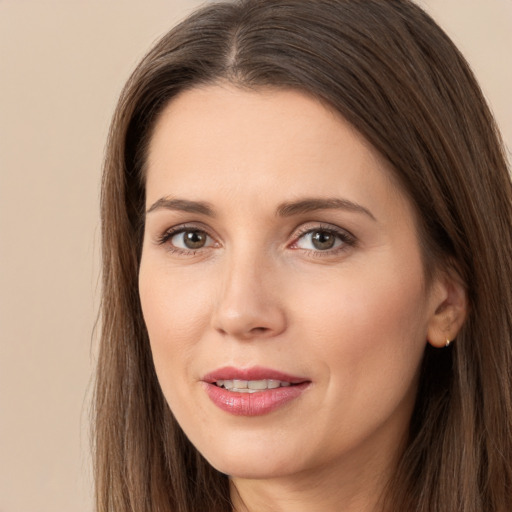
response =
{"points": [[252, 464]]}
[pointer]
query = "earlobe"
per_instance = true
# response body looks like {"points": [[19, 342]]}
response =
{"points": [[450, 311]]}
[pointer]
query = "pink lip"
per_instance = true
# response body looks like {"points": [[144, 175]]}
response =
{"points": [[252, 404], [254, 373]]}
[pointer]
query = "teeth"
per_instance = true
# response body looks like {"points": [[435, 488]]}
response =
{"points": [[251, 386], [257, 384]]}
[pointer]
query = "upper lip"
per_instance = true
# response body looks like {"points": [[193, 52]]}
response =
{"points": [[253, 373]]}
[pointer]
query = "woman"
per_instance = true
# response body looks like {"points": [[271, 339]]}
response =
{"points": [[306, 242]]}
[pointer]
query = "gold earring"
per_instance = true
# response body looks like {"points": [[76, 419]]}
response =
{"points": [[447, 342]]}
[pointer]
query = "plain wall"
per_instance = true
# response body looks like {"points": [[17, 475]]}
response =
{"points": [[62, 65]]}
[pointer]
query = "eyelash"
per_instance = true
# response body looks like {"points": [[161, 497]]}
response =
{"points": [[165, 237], [348, 240]]}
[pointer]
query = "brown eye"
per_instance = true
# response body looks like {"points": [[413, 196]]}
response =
{"points": [[191, 239], [323, 240], [194, 239]]}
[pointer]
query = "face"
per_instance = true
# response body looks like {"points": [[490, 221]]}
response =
{"points": [[281, 284]]}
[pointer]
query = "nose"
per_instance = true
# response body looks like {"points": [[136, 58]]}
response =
{"points": [[249, 303]]}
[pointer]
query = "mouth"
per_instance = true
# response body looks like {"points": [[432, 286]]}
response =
{"points": [[256, 378], [251, 386], [254, 391]]}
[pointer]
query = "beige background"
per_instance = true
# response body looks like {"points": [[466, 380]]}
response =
{"points": [[62, 64]]}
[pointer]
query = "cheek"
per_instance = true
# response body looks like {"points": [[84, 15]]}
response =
{"points": [[369, 296], [176, 309], [367, 325], [365, 334]]}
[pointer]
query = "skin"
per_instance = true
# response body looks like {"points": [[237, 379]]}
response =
{"points": [[353, 320]]}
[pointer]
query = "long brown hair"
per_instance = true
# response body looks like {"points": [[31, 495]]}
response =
{"points": [[388, 69]]}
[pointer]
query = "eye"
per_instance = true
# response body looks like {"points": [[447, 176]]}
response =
{"points": [[190, 239], [186, 239], [324, 239]]}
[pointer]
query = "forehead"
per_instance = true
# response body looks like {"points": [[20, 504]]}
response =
{"points": [[266, 143], [264, 116]]}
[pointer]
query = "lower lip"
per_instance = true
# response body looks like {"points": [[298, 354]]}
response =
{"points": [[253, 404]]}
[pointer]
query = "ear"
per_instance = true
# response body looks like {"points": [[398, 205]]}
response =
{"points": [[450, 305]]}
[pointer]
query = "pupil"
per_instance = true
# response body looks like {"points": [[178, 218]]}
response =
{"points": [[194, 239], [323, 240]]}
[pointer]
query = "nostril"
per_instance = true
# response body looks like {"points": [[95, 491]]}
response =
{"points": [[259, 330]]}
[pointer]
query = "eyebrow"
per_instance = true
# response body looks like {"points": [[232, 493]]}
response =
{"points": [[182, 205], [288, 209], [309, 205]]}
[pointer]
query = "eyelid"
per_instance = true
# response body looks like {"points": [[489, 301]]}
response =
{"points": [[167, 234], [347, 238]]}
